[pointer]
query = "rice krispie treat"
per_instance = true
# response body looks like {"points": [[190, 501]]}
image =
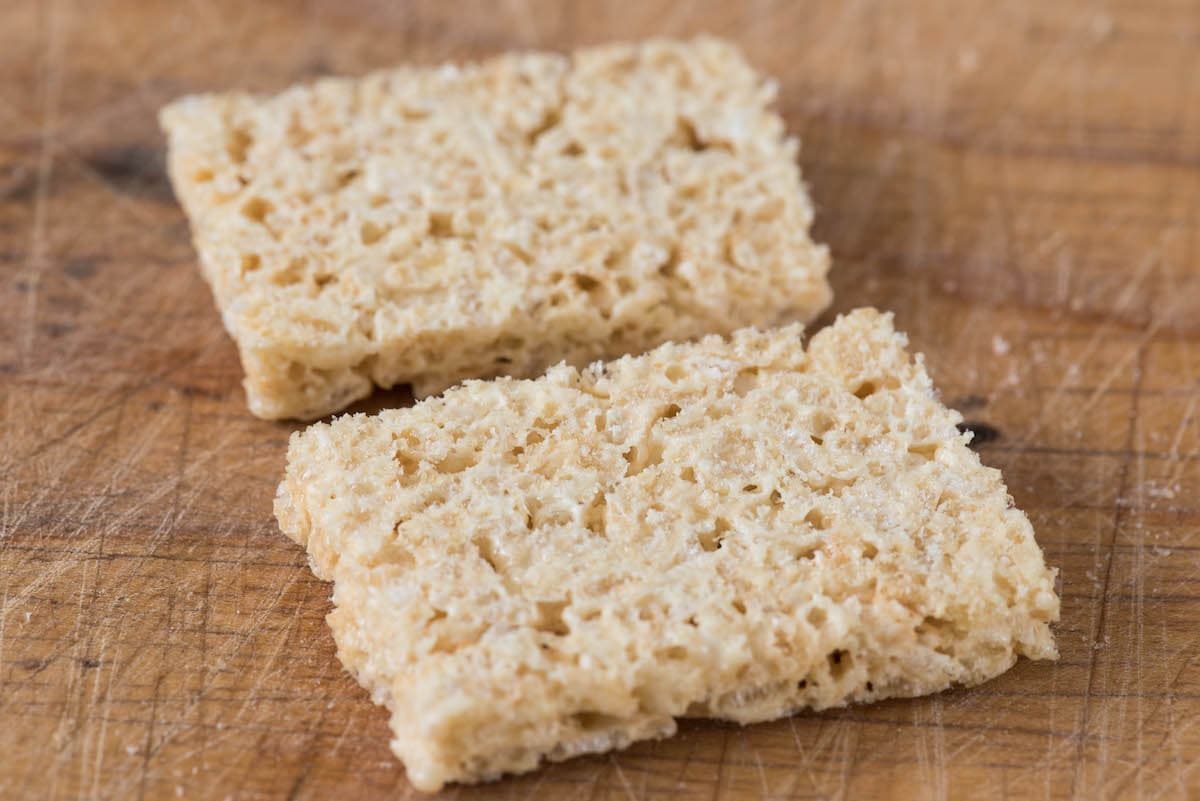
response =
{"points": [[425, 225], [739, 529]]}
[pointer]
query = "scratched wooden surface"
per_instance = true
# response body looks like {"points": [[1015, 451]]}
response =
{"points": [[1020, 184]]}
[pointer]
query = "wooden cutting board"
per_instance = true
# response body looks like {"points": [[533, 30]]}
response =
{"points": [[1021, 184]]}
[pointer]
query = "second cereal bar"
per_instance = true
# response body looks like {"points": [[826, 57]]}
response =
{"points": [[426, 225]]}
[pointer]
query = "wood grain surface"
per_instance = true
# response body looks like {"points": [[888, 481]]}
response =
{"points": [[1019, 181]]}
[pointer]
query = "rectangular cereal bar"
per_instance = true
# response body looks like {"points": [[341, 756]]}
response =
{"points": [[425, 225], [738, 529]]}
